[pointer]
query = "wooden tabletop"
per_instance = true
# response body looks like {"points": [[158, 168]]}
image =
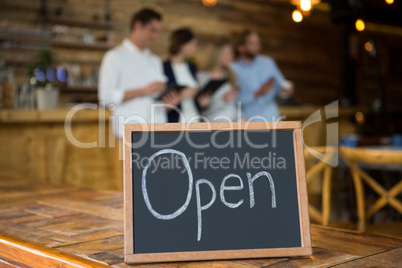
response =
{"points": [[43, 226]]}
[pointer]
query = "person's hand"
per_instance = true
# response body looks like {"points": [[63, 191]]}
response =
{"points": [[265, 88], [287, 89], [188, 92], [171, 99], [204, 100], [230, 95], [148, 90], [155, 87]]}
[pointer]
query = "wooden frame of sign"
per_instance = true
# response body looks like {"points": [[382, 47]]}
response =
{"points": [[295, 126]]}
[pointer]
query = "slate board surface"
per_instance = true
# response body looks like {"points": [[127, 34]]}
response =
{"points": [[223, 228]]}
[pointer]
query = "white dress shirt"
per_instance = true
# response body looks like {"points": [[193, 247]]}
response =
{"points": [[126, 68], [184, 77]]}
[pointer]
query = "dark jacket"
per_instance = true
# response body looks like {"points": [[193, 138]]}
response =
{"points": [[173, 115]]}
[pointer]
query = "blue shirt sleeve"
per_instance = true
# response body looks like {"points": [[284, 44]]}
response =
{"points": [[278, 77], [264, 68], [246, 95]]}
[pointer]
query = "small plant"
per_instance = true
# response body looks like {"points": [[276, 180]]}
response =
{"points": [[42, 69]]}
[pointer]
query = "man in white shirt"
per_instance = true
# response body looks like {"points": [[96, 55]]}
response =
{"points": [[131, 77]]}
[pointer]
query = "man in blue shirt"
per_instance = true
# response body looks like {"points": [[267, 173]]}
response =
{"points": [[258, 78]]}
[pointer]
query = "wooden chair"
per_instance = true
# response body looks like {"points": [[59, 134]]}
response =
{"points": [[352, 156], [321, 166]]}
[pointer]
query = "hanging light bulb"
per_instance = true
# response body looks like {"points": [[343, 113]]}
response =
{"points": [[368, 46], [305, 5], [389, 2], [297, 16], [360, 26], [209, 3], [297, 2]]}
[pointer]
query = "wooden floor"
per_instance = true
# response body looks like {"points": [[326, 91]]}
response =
{"points": [[386, 227], [85, 227], [392, 229]]}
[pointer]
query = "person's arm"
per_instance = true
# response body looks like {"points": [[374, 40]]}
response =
{"points": [[202, 102], [109, 90], [150, 89], [278, 78], [245, 93], [245, 97], [265, 88], [171, 100], [231, 95], [270, 89], [188, 92]]}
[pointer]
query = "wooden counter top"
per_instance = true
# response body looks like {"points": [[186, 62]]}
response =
{"points": [[43, 225], [90, 115], [303, 112], [51, 116]]}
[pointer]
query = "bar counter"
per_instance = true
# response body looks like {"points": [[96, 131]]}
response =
{"points": [[38, 140], [48, 226], [47, 116], [87, 115]]}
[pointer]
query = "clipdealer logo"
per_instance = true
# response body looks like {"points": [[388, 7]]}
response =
{"points": [[331, 112]]}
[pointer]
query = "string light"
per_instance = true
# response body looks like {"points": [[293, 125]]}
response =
{"points": [[368, 46], [297, 16], [304, 8], [209, 3], [359, 118], [360, 26], [305, 5]]}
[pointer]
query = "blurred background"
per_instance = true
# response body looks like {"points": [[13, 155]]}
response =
{"points": [[324, 54], [348, 51]]}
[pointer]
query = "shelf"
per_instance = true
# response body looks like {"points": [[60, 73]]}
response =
{"points": [[86, 46], [77, 89], [81, 23], [22, 63], [27, 61], [55, 43]]}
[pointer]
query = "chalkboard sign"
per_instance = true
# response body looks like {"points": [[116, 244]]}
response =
{"points": [[205, 191]]}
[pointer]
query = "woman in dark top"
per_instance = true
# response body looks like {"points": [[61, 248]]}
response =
{"points": [[182, 73]]}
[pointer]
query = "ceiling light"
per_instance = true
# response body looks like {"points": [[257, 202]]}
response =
{"points": [[297, 16]]}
